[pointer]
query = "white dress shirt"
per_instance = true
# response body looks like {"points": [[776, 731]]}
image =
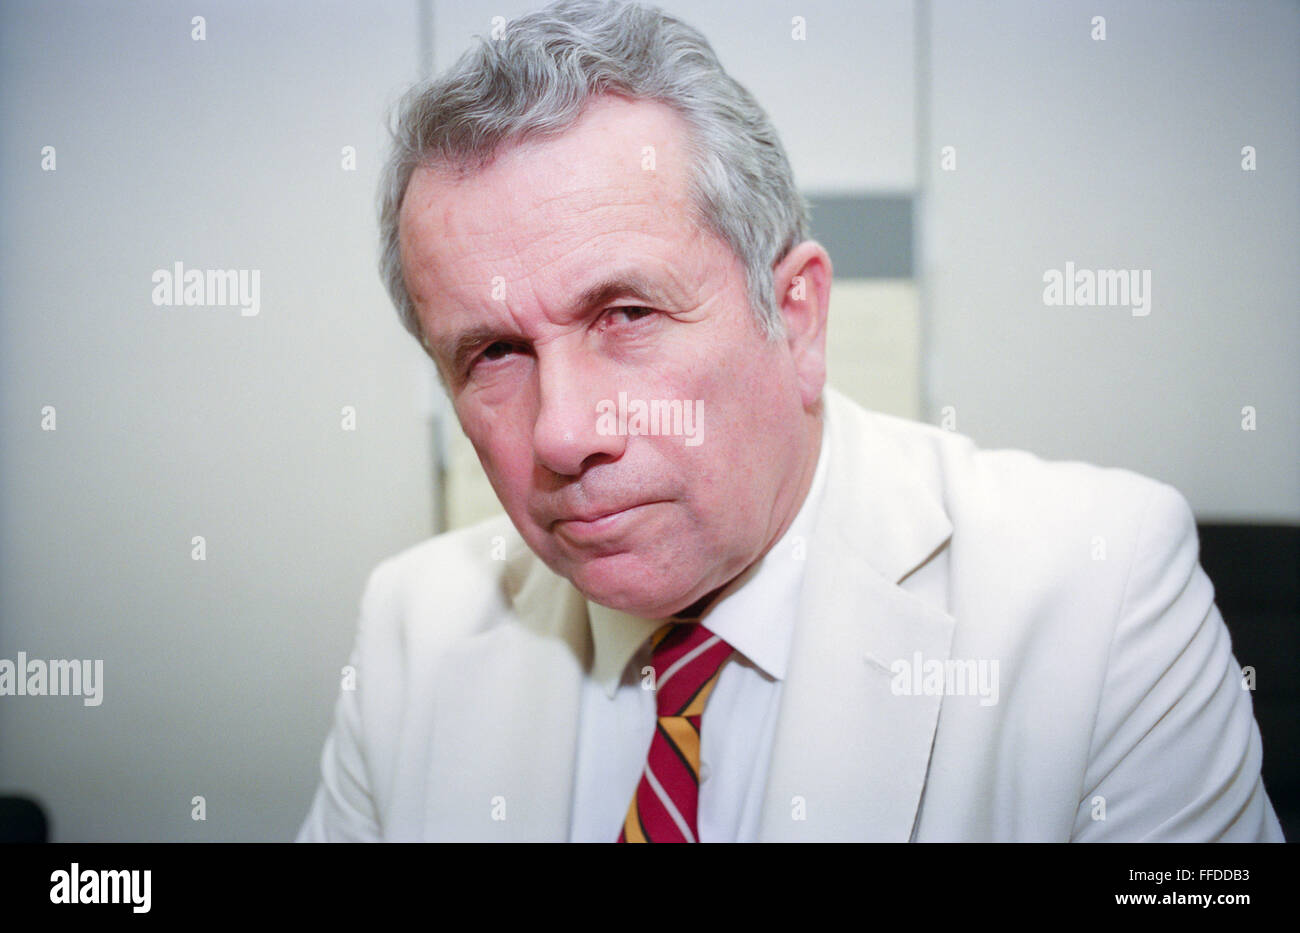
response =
{"points": [[756, 616]]}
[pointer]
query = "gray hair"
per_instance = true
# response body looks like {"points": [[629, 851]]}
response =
{"points": [[533, 82]]}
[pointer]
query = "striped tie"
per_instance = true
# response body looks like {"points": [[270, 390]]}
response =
{"points": [[687, 658]]}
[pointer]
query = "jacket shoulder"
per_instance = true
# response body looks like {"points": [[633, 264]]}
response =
{"points": [[991, 485], [468, 549], [1024, 522], [462, 579]]}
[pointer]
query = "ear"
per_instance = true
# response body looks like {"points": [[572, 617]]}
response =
{"points": [[802, 281]]}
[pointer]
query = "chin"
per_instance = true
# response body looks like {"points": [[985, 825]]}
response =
{"points": [[604, 581]]}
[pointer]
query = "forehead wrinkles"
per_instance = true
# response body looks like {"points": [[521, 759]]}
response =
{"points": [[531, 219], [607, 148], [486, 215], [552, 247]]}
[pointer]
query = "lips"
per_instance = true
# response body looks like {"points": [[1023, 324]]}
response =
{"points": [[597, 526], [597, 515]]}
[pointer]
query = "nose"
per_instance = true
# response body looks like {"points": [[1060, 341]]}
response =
{"points": [[569, 434]]}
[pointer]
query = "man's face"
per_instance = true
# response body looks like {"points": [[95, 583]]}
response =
{"points": [[567, 272]]}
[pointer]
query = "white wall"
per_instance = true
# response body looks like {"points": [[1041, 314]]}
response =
{"points": [[175, 422], [1122, 153]]}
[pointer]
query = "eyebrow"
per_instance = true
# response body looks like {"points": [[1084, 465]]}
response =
{"points": [[461, 345]]}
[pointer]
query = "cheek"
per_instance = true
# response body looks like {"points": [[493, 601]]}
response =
{"points": [[744, 395], [748, 420], [505, 455]]}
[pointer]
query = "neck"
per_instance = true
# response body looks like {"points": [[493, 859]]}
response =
{"points": [[696, 609]]}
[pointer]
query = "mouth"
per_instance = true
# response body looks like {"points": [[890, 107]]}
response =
{"points": [[600, 524]]}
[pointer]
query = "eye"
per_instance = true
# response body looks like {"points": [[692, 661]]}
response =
{"points": [[632, 313], [496, 350]]}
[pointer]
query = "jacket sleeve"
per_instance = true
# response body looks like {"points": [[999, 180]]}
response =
{"points": [[343, 809], [1175, 752]]}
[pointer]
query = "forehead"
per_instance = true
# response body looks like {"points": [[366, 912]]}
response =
{"points": [[611, 187]]}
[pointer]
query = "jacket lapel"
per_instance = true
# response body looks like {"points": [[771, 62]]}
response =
{"points": [[505, 736], [850, 756]]}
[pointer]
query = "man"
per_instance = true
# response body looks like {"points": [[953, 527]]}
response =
{"points": [[727, 603]]}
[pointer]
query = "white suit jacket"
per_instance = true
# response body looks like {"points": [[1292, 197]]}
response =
{"points": [[1119, 714]]}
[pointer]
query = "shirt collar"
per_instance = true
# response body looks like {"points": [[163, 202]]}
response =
{"points": [[755, 614]]}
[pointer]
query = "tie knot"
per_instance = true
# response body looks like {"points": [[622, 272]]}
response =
{"points": [[686, 659]]}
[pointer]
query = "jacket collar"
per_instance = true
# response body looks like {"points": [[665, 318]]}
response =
{"points": [[889, 489], [850, 756]]}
